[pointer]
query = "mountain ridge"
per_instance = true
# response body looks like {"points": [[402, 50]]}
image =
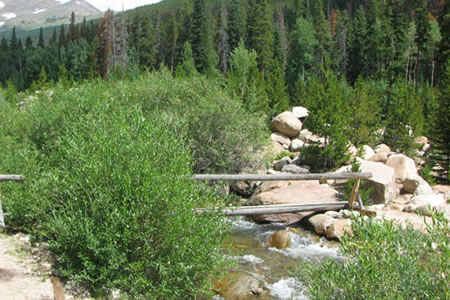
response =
{"points": [[28, 15]]}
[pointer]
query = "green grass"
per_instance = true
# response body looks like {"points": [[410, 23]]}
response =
{"points": [[384, 261]]}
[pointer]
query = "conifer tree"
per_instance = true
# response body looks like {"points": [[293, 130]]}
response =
{"points": [[423, 36], [358, 47], [236, 24], [199, 38], [29, 43], [104, 40], [62, 37], [172, 42], [404, 119], [323, 34], [74, 31], [223, 48], [146, 41], [54, 38], [84, 31], [301, 52], [444, 45], [260, 32], [277, 90], [441, 129], [41, 43]]}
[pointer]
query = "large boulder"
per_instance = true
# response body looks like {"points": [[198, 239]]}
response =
{"points": [[416, 185], [367, 152], [287, 124], [294, 192], [240, 286], [404, 167], [300, 112], [382, 181], [382, 148], [320, 223], [280, 138]]}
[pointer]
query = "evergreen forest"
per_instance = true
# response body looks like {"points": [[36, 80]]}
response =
{"points": [[108, 120]]}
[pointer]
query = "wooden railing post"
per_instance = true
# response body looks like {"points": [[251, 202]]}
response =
{"points": [[352, 199]]}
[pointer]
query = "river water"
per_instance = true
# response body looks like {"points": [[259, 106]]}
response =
{"points": [[248, 247]]}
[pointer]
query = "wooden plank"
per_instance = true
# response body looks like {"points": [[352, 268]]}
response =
{"points": [[353, 195], [11, 178], [278, 209], [275, 177]]}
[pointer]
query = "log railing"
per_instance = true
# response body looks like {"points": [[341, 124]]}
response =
{"points": [[289, 208]]}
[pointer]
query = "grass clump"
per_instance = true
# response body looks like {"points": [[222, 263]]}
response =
{"points": [[384, 261]]}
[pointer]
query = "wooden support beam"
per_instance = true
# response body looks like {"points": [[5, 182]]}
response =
{"points": [[278, 209], [276, 177], [11, 178], [353, 195]]}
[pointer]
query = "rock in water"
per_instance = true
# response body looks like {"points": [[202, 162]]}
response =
{"points": [[239, 286], [320, 223], [287, 124], [280, 240]]}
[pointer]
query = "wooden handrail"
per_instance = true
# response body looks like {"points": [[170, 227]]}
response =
{"points": [[11, 178], [276, 177]]}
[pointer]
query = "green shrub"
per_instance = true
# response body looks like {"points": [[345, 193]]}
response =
{"points": [[123, 207], [222, 135], [384, 261], [285, 153]]}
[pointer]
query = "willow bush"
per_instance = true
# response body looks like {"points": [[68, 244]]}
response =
{"points": [[108, 167]]}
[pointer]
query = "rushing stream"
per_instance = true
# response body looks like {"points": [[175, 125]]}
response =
{"points": [[248, 246]]}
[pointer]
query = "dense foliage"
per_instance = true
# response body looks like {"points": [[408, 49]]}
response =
{"points": [[387, 58], [108, 185], [384, 261]]}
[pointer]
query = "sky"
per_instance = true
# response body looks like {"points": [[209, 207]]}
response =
{"points": [[117, 4]]}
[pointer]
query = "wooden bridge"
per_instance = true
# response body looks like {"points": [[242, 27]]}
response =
{"points": [[290, 208]]}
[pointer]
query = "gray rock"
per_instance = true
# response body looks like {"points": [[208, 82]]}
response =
{"points": [[382, 148], [404, 167], [433, 200], [279, 164], [296, 145], [294, 169], [382, 181], [320, 223], [300, 112], [416, 185], [287, 124], [280, 138]]}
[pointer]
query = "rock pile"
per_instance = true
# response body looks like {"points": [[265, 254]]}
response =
{"points": [[394, 177]]}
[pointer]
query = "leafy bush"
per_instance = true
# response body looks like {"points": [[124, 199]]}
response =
{"points": [[222, 135], [123, 207], [285, 153], [384, 261], [108, 167]]}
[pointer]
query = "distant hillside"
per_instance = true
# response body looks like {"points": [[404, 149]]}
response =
{"points": [[28, 15]]}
